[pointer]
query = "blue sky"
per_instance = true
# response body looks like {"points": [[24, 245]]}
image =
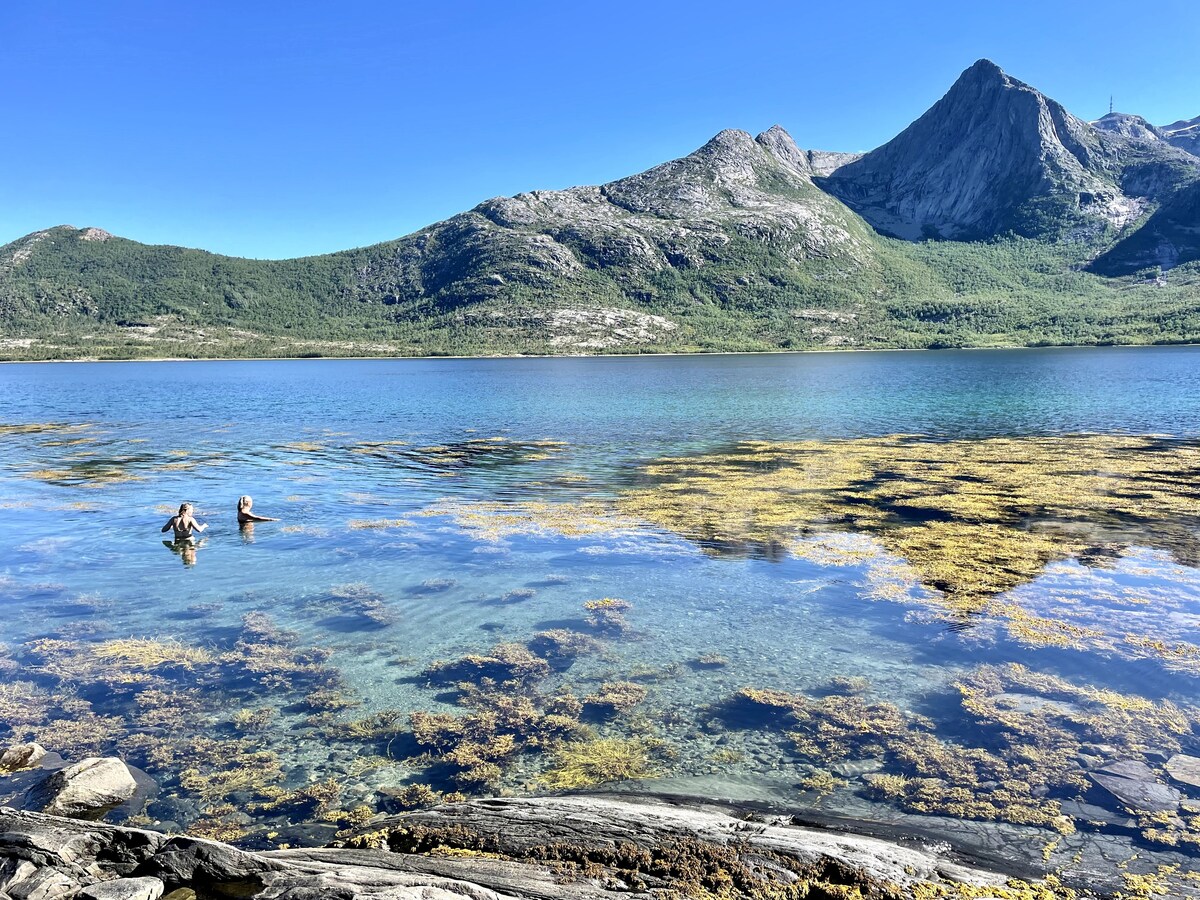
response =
{"points": [[277, 129]]}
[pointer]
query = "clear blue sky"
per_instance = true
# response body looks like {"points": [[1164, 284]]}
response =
{"points": [[272, 129]]}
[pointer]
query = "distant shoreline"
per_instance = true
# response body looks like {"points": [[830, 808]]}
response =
{"points": [[662, 354]]}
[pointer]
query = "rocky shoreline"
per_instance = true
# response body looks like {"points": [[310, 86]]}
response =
{"points": [[558, 848]]}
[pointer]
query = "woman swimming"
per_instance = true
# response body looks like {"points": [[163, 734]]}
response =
{"points": [[245, 516], [183, 523]]}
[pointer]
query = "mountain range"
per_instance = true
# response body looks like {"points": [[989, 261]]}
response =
{"points": [[995, 219]]}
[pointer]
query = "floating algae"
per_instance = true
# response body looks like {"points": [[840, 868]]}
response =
{"points": [[961, 523], [489, 521], [461, 456]]}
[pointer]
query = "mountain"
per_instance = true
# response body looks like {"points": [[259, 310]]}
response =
{"points": [[1185, 134], [996, 155], [748, 243]]}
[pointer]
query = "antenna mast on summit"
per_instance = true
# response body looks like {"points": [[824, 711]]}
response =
{"points": [[1110, 104]]}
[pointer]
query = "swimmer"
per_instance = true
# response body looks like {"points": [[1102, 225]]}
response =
{"points": [[183, 523], [245, 516]]}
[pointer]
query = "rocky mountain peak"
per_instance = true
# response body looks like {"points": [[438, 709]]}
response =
{"points": [[984, 72], [992, 155], [776, 141], [1128, 125]]}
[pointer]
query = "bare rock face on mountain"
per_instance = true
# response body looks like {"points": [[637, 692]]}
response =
{"points": [[1169, 238], [1184, 134], [995, 155], [1130, 126]]}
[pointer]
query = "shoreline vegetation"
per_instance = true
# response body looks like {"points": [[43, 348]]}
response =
{"points": [[655, 354]]}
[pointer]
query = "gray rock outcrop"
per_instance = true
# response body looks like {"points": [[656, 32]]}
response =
{"points": [[124, 889], [88, 789], [575, 848]]}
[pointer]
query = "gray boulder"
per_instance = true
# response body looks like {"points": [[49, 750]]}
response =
{"points": [[43, 884], [19, 757], [85, 790]]}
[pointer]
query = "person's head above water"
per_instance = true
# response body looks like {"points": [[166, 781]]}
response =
{"points": [[185, 508], [245, 502]]}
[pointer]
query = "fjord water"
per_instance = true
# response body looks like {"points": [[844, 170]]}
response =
{"points": [[375, 467]]}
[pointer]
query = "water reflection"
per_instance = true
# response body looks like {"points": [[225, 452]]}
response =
{"points": [[185, 548]]}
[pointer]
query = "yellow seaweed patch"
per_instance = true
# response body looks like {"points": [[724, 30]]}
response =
{"points": [[495, 521], [950, 524], [42, 428], [1011, 504], [583, 764], [363, 524], [144, 654], [303, 446], [474, 452]]}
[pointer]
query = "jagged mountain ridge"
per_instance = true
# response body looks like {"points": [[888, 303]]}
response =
{"points": [[747, 241], [677, 216]]}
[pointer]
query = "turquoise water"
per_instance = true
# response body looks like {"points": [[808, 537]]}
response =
{"points": [[374, 468]]}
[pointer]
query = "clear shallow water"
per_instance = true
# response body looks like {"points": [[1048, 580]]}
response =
{"points": [[334, 446]]}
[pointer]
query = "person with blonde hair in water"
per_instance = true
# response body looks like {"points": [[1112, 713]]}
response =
{"points": [[183, 523], [245, 516]]}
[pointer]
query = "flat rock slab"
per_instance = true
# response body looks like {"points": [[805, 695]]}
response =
{"points": [[567, 848], [124, 889], [1132, 784], [1090, 812], [1184, 769], [1128, 768]]}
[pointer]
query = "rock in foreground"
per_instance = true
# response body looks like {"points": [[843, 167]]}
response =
{"points": [[572, 848]]}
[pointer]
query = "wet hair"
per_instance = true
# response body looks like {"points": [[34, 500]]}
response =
{"points": [[184, 507], [245, 501]]}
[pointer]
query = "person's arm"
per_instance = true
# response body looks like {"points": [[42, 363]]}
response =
{"points": [[198, 526], [255, 517], [170, 522]]}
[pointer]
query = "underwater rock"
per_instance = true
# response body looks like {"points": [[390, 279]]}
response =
{"points": [[86, 790], [20, 757], [853, 768], [1184, 769], [1134, 786], [124, 889], [1090, 812]]}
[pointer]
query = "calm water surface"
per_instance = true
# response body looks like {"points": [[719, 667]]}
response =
{"points": [[370, 465]]}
